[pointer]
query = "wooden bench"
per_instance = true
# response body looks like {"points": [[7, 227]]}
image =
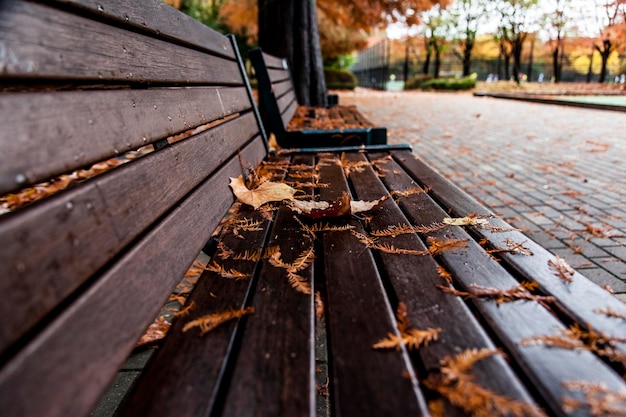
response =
{"points": [[296, 126], [85, 270]]}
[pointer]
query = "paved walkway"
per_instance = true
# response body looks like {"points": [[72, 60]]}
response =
{"points": [[557, 172]]}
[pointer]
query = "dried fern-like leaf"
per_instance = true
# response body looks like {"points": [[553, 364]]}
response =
{"points": [[513, 247], [224, 273], [211, 321], [186, 310], [298, 283], [563, 341], [248, 256], [599, 399], [319, 305], [437, 246], [409, 337], [409, 192], [403, 229], [325, 227], [224, 251], [609, 312], [444, 274], [455, 382], [561, 269], [519, 292], [466, 221]]}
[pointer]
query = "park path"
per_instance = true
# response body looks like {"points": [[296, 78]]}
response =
{"points": [[558, 173]]}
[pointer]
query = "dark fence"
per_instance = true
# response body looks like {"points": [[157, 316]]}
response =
{"points": [[372, 66]]}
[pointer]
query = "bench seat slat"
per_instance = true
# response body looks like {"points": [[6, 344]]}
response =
{"points": [[511, 322], [86, 127], [359, 315], [62, 255], [74, 47], [579, 299], [185, 375], [84, 339], [160, 19], [274, 371], [415, 279]]}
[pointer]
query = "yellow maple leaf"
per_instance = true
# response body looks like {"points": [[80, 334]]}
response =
{"points": [[264, 193]]}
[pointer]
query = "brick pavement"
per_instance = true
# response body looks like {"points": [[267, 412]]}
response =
{"points": [[558, 173]]}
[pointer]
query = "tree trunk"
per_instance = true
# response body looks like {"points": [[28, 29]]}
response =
{"points": [[467, 58], [555, 64], [437, 51], [429, 51], [517, 58], [604, 53], [530, 63], [589, 71], [289, 29]]}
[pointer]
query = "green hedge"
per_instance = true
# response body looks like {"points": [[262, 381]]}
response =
{"points": [[427, 82], [339, 79]]}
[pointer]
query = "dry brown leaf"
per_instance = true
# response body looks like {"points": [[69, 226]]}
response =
{"points": [[266, 192], [561, 269], [360, 206], [322, 209], [412, 338], [211, 321], [455, 381], [155, 332], [465, 221], [599, 399]]}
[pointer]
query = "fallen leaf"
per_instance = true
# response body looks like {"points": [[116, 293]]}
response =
{"points": [[465, 221], [264, 193], [155, 332], [360, 206], [319, 209]]}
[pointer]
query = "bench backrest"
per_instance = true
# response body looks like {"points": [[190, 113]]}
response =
{"points": [[84, 271], [277, 95]]}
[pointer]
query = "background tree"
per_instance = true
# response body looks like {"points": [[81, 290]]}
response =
{"points": [[610, 14], [289, 29], [554, 24], [516, 24], [434, 23], [466, 16]]}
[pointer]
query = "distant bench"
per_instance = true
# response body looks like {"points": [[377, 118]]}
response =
{"points": [[298, 126], [403, 309]]}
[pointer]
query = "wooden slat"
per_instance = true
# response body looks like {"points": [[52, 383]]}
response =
{"points": [[274, 372], [579, 299], [46, 134], [547, 368], [57, 244], [285, 101], [415, 282], [277, 76], [272, 61], [160, 19], [171, 385], [42, 42], [364, 381], [282, 87], [66, 367], [289, 112]]}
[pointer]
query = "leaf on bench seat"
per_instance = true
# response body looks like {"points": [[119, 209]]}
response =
{"points": [[600, 400], [266, 192], [211, 321], [409, 337], [455, 382]]}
